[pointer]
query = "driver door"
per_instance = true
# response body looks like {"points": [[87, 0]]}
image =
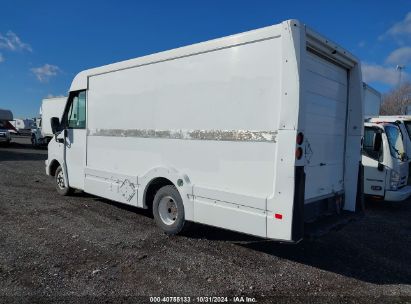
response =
{"points": [[75, 141], [372, 158]]}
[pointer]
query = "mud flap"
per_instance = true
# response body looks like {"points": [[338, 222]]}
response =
{"points": [[297, 228], [360, 204]]}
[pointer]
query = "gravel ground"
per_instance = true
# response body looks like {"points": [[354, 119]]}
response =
{"points": [[87, 249]]}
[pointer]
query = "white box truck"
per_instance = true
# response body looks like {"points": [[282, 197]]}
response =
{"points": [[50, 107], [257, 132], [385, 162]]}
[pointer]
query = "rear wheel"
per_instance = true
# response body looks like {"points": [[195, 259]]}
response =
{"points": [[61, 184], [168, 210]]}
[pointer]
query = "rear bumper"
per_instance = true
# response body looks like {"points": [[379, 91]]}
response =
{"points": [[399, 195]]}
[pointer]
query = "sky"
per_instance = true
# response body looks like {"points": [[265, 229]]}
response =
{"points": [[44, 44]]}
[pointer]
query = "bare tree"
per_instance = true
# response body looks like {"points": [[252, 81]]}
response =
{"points": [[396, 101]]}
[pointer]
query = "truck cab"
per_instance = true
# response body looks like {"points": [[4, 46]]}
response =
{"points": [[404, 124], [385, 162]]}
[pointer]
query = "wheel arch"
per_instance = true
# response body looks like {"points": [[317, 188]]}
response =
{"points": [[157, 178], [54, 164]]}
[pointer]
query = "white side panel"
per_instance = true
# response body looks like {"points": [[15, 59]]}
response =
{"points": [[326, 109], [230, 216], [229, 89], [232, 89], [120, 188], [241, 168]]}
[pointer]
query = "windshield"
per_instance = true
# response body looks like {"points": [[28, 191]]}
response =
{"points": [[395, 141], [408, 126]]}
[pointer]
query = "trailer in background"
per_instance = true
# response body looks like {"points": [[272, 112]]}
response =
{"points": [[50, 107], [372, 101], [22, 126]]}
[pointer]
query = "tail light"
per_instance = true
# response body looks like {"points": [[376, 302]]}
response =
{"points": [[299, 153], [300, 138], [299, 150]]}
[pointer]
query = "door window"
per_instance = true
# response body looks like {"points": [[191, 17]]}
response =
{"points": [[76, 114], [395, 141], [368, 144]]}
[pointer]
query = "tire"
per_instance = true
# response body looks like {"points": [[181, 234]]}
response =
{"points": [[59, 179], [168, 210]]}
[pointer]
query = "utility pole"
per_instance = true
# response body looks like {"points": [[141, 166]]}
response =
{"points": [[399, 68]]}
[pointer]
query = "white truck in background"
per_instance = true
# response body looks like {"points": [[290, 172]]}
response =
{"points": [[385, 162], [50, 107], [404, 124], [5, 117], [258, 132], [384, 153]]}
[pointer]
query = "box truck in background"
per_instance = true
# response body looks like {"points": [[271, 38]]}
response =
{"points": [[258, 132], [50, 107], [372, 101]]}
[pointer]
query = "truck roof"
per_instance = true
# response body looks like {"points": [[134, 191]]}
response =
{"points": [[380, 125], [80, 81], [6, 114], [390, 118]]}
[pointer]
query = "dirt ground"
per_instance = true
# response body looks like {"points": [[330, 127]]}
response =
{"points": [[87, 249]]}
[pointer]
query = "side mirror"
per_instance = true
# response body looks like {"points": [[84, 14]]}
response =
{"points": [[377, 142], [55, 124]]}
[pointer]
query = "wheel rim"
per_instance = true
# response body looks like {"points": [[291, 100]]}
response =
{"points": [[60, 180], [167, 209]]}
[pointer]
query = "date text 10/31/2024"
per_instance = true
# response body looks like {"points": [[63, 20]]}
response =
{"points": [[236, 299]]}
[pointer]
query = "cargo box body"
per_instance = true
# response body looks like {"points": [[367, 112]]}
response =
{"points": [[220, 120]]}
